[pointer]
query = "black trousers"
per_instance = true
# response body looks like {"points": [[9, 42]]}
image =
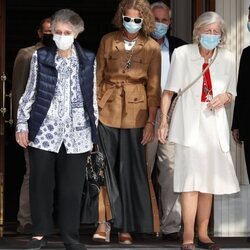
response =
{"points": [[126, 178], [247, 156], [65, 173]]}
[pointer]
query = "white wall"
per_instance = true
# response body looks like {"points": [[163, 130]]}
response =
{"points": [[232, 213]]}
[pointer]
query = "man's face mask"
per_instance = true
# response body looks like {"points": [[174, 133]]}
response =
{"points": [[160, 30], [47, 39]]}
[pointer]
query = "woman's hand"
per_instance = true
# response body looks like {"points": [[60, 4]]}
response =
{"points": [[236, 136], [163, 131], [148, 133], [22, 139], [219, 101]]}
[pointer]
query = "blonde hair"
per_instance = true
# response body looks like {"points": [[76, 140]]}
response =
{"points": [[207, 18], [144, 9]]}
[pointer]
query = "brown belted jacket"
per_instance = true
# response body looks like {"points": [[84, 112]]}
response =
{"points": [[125, 94]]}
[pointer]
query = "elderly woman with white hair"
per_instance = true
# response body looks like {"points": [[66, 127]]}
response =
{"points": [[57, 118], [199, 125]]}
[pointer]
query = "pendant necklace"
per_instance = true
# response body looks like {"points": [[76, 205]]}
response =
{"points": [[129, 48]]}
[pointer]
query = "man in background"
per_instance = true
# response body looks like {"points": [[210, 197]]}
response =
{"points": [[240, 125], [19, 80], [162, 155]]}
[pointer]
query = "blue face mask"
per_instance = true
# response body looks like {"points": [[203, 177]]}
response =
{"points": [[209, 41], [160, 30], [248, 26], [132, 27]]}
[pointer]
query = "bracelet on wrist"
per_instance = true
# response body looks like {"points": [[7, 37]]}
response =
{"points": [[152, 123], [164, 116]]}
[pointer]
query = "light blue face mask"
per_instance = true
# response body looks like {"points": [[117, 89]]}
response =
{"points": [[209, 41], [160, 30], [132, 27], [248, 26]]}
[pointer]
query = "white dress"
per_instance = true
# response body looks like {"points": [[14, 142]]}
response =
{"points": [[204, 167], [202, 160]]}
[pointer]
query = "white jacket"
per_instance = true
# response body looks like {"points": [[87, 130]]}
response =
{"points": [[185, 66]]}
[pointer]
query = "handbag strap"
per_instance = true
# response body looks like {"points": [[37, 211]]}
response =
{"points": [[95, 148], [180, 92]]}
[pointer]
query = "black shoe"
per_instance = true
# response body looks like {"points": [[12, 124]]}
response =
{"points": [[188, 246], [75, 247], [35, 244], [208, 245], [171, 237], [26, 229]]}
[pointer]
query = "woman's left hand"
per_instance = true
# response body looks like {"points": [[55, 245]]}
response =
{"points": [[218, 101], [22, 138], [148, 133]]}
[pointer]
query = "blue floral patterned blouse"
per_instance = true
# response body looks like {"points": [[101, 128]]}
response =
{"points": [[66, 121]]}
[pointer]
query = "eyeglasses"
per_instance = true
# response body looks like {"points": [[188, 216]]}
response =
{"points": [[212, 32], [129, 19]]}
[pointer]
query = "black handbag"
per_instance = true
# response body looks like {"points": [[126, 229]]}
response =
{"points": [[95, 168], [94, 179]]}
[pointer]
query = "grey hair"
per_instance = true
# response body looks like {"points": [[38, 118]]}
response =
{"points": [[161, 5], [207, 18], [70, 17]]}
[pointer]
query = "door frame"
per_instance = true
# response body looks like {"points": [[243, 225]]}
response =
{"points": [[2, 97]]}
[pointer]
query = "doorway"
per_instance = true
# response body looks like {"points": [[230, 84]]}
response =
{"points": [[19, 21]]}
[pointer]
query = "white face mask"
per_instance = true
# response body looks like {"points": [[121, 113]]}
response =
{"points": [[63, 42]]}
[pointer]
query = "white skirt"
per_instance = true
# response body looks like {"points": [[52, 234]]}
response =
{"points": [[204, 167]]}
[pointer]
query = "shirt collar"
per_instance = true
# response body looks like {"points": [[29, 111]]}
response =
{"points": [[165, 44], [195, 53]]}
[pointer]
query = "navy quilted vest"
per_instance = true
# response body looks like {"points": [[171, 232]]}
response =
{"points": [[46, 84]]}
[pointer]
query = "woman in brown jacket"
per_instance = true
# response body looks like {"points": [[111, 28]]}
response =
{"points": [[128, 83]]}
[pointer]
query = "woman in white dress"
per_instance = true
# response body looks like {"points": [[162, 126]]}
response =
{"points": [[199, 125]]}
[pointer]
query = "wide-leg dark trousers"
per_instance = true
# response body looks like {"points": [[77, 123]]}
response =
{"points": [[66, 173], [126, 178], [247, 156]]}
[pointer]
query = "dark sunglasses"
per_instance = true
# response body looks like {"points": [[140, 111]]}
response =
{"points": [[129, 19]]}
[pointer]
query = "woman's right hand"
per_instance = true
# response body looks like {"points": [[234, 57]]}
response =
{"points": [[163, 131], [236, 135], [22, 139]]}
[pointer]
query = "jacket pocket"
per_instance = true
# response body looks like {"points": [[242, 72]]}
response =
{"points": [[135, 93], [140, 61], [135, 98], [112, 56], [136, 105]]}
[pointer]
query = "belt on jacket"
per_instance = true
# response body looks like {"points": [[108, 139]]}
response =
{"points": [[111, 89]]}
